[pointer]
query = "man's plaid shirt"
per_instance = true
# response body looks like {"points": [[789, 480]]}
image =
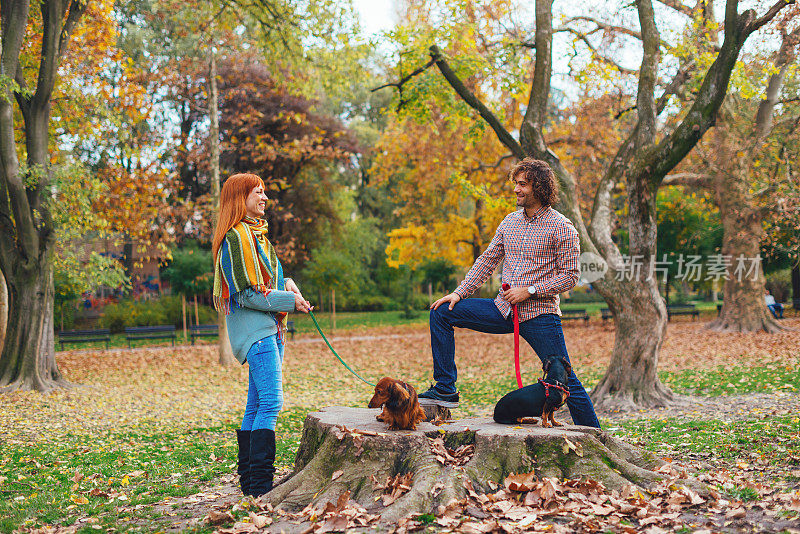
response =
{"points": [[540, 251]]}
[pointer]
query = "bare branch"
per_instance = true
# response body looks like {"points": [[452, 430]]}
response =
{"points": [[467, 96], [605, 59], [677, 6], [676, 85], [689, 179], [786, 55], [606, 27], [483, 166], [404, 79], [768, 16], [648, 74]]}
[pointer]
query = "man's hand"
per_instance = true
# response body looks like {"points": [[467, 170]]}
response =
{"points": [[452, 298], [300, 304], [515, 295]]}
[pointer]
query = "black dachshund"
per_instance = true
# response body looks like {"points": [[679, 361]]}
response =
{"points": [[537, 400]]}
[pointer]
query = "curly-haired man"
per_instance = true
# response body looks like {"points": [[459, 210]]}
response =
{"points": [[539, 248]]}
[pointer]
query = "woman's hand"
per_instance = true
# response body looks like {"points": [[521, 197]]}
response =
{"points": [[300, 304], [291, 286]]}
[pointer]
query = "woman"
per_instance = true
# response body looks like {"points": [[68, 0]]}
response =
{"points": [[250, 288]]}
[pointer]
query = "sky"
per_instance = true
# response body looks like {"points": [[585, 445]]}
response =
{"points": [[376, 15]]}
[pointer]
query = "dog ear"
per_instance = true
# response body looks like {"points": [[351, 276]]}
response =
{"points": [[546, 365], [401, 392], [567, 366]]}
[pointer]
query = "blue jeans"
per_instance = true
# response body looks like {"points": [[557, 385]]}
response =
{"points": [[776, 310], [543, 333], [265, 392]]}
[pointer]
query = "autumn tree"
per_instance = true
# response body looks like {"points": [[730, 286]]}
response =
{"points": [[747, 166], [26, 245], [269, 130], [640, 163]]}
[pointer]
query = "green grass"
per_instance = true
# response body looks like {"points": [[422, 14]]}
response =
{"points": [[774, 440], [734, 380], [120, 475]]}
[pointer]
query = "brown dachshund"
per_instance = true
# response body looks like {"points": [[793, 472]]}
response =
{"points": [[401, 407]]}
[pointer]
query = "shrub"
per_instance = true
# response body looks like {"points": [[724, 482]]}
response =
{"points": [[370, 303], [779, 284], [581, 295]]}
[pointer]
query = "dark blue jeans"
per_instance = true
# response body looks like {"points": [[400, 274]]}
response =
{"points": [[543, 333]]}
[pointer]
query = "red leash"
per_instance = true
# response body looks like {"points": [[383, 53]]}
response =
{"points": [[506, 287]]}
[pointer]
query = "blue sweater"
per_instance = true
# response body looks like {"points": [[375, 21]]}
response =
{"points": [[253, 318]]}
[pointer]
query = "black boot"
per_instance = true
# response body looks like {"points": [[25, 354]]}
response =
{"points": [[243, 461], [262, 461]]}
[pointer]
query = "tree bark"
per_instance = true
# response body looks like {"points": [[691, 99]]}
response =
{"points": [[28, 358], [183, 316], [743, 307], [333, 309], [3, 309], [346, 449], [632, 376], [224, 348]]}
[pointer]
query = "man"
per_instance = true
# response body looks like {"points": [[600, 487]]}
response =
{"points": [[775, 308], [540, 249]]}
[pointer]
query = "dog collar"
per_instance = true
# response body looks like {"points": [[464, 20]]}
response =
{"points": [[558, 385]]}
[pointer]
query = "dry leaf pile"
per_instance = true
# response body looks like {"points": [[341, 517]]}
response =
{"points": [[527, 503], [393, 488], [340, 516], [451, 457]]}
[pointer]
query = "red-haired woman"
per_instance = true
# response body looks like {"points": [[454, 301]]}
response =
{"points": [[250, 288]]}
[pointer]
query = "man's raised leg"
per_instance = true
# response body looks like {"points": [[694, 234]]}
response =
{"points": [[476, 314]]}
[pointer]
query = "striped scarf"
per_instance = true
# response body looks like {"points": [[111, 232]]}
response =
{"points": [[246, 259]]}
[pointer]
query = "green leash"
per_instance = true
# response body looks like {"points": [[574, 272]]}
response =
{"points": [[334, 352]]}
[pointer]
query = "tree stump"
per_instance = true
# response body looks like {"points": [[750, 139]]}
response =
{"points": [[346, 449]]}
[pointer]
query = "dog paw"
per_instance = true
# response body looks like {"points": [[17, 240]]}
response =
{"points": [[527, 420]]}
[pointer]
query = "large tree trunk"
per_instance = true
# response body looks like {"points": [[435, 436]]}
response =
{"points": [[28, 358], [743, 307], [641, 323]]}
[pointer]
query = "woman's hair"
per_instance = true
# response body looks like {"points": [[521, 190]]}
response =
{"points": [[541, 176], [232, 208]]}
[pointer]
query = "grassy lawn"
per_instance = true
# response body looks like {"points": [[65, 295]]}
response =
{"points": [[146, 427]]}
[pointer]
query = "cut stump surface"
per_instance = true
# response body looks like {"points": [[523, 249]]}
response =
{"points": [[346, 449]]}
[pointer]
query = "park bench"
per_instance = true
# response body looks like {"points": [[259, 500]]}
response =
{"points": [[84, 336], [682, 309], [134, 333], [605, 313], [211, 330], [203, 330], [566, 315], [290, 328]]}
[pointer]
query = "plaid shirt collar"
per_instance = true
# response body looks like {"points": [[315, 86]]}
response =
{"points": [[539, 213]]}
